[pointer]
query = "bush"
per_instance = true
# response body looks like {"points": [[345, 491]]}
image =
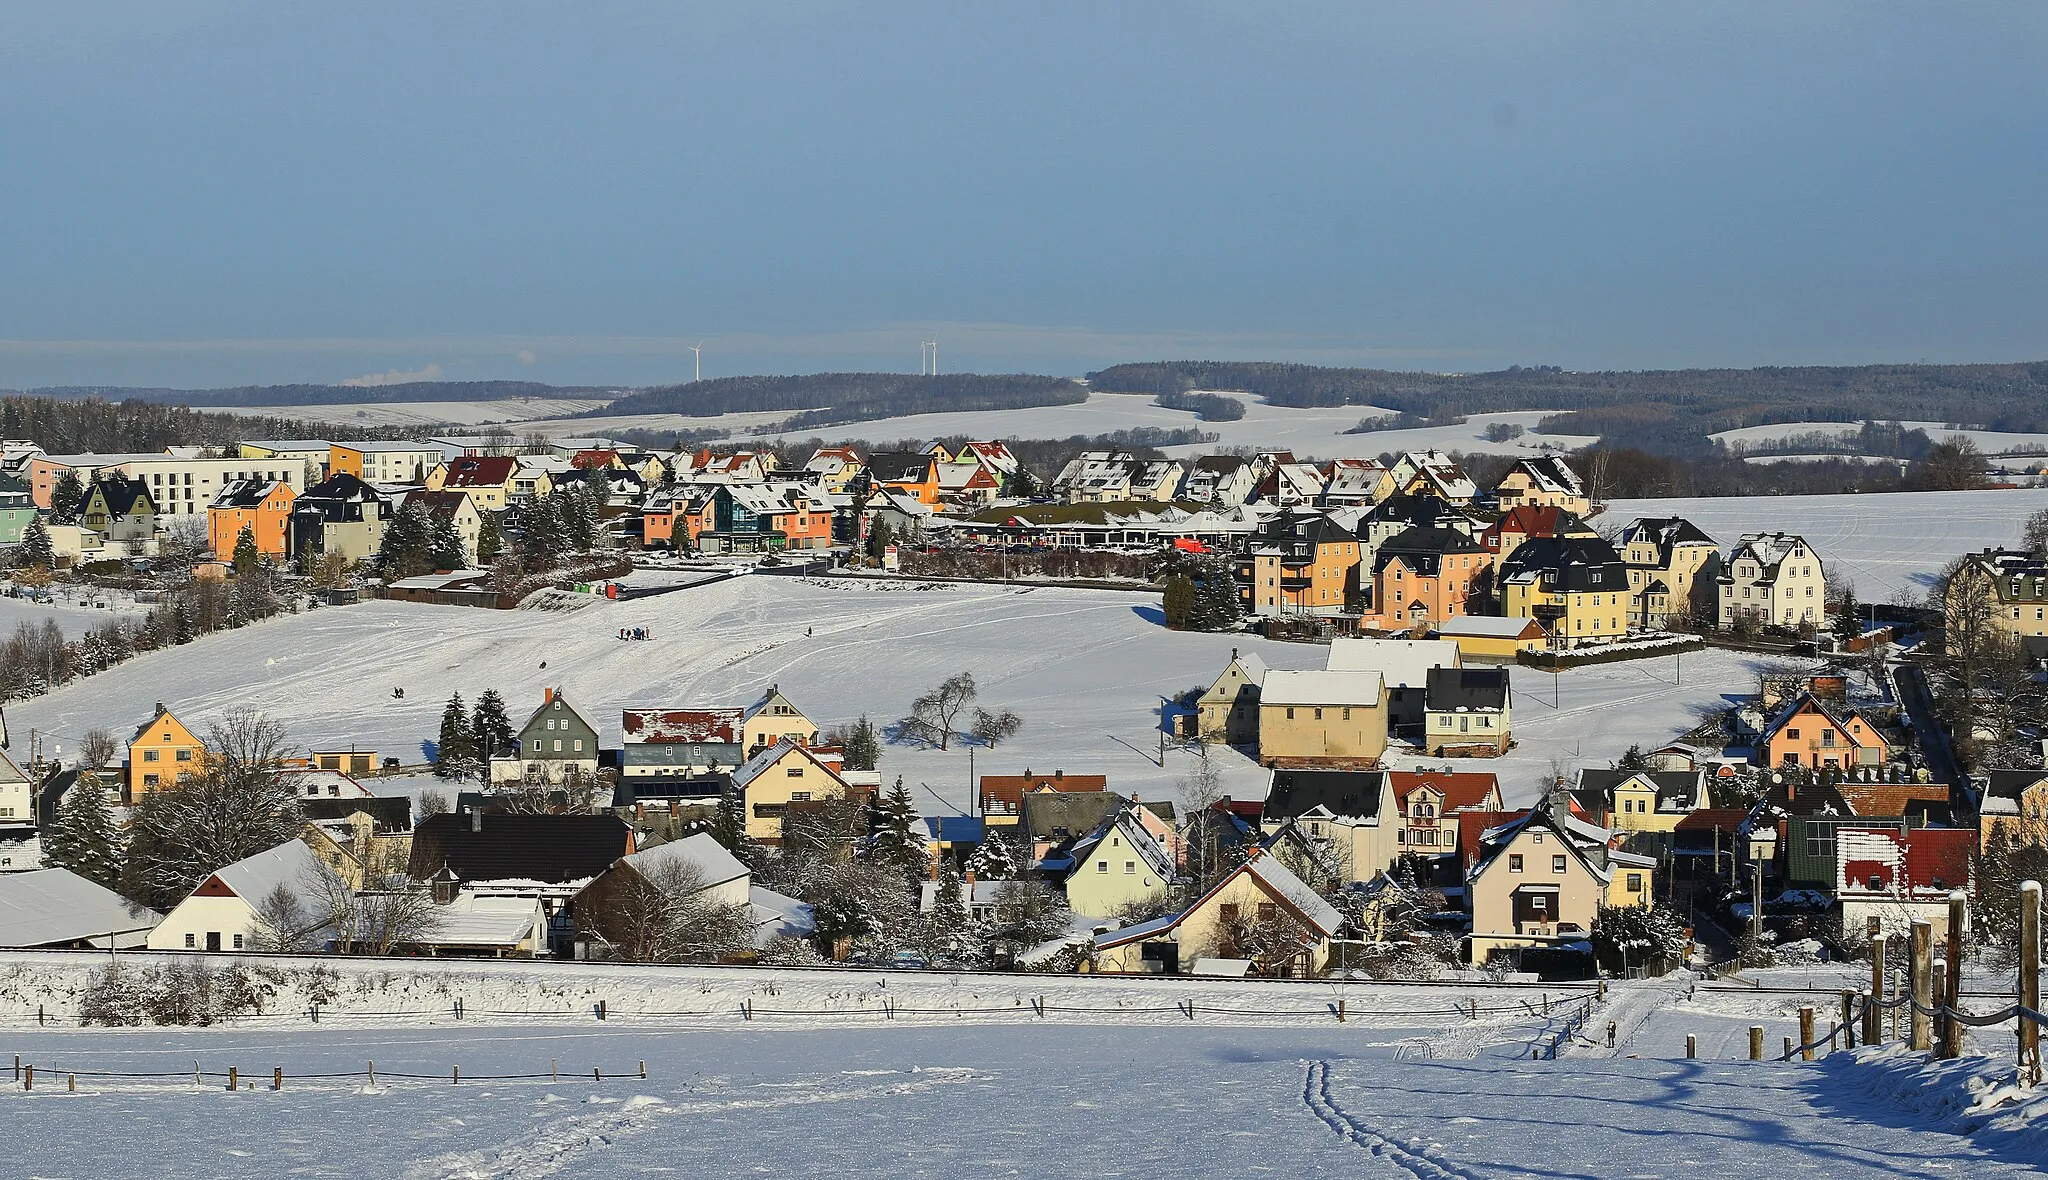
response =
{"points": [[175, 993]]}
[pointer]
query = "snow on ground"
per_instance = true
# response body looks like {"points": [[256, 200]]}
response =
{"points": [[1886, 544], [1393, 1096], [513, 410], [76, 609], [1986, 440]]}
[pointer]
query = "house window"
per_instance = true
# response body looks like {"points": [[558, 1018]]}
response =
{"points": [[1635, 882], [1319, 714], [558, 745], [1793, 734], [579, 745], [1514, 862], [1820, 841], [795, 772], [191, 940], [1101, 866], [1130, 868], [1557, 864], [238, 942], [184, 755], [150, 755], [1290, 713], [799, 796]]}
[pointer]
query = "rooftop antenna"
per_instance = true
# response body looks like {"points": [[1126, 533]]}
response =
{"points": [[697, 350]]}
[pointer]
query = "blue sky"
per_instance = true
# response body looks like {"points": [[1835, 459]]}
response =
{"points": [[218, 193]]}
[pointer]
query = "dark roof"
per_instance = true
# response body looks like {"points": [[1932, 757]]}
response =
{"points": [[244, 493], [2010, 784], [1665, 531], [641, 787], [1467, 688], [1059, 814], [1344, 792], [496, 846], [1420, 511], [442, 503], [1316, 529], [122, 494], [887, 466], [1576, 563], [1423, 549], [392, 813], [955, 829], [1670, 784]]}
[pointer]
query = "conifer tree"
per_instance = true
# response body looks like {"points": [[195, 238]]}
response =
{"points": [[444, 547], [36, 548], [248, 559], [892, 836], [83, 837], [457, 748], [490, 540], [993, 860], [64, 498], [408, 544], [490, 730], [863, 745]]}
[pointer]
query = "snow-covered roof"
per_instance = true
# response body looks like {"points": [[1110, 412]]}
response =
{"points": [[1402, 663], [451, 580], [470, 920], [1485, 627], [778, 915], [719, 726], [1320, 688], [51, 907], [712, 863], [1282, 881], [290, 864]]}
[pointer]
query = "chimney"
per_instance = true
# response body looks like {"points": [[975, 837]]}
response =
{"points": [[547, 696], [476, 820], [1233, 654], [1059, 775], [969, 878]]}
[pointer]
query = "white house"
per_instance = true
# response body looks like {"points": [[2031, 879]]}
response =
{"points": [[221, 914], [1775, 579]]}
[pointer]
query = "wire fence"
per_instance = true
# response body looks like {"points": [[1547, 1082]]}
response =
{"points": [[29, 1076]]}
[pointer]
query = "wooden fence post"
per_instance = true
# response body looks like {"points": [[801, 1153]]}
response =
{"points": [[1873, 1016], [1806, 1033], [1952, 1034], [71, 1083], [1340, 1011], [1692, 1046], [458, 1076], [277, 1078], [2030, 979], [1756, 1042], [1788, 1050], [234, 1077], [1938, 984], [1920, 1037], [373, 1075], [28, 1077], [1848, 1019]]}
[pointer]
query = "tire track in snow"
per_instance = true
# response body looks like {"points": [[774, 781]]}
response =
{"points": [[550, 1148], [1315, 1094]]}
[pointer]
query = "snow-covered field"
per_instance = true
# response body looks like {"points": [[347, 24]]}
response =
{"points": [[1986, 440], [1886, 544], [1421, 1095], [76, 611], [514, 410]]}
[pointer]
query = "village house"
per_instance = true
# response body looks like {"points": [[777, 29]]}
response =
{"points": [[2017, 801], [181, 483], [1577, 587], [1221, 481], [458, 509], [1543, 482], [1898, 876], [557, 745], [311, 454], [496, 857], [1050, 824], [1648, 804], [489, 480], [1299, 565], [1809, 732], [1430, 804], [623, 912], [1432, 473], [833, 468], [1673, 572], [1404, 666], [1260, 911], [1487, 638], [1470, 713], [161, 752], [363, 841], [766, 517], [1541, 880], [17, 799], [1352, 814], [1002, 795], [1773, 580], [224, 913], [262, 507], [340, 515], [1322, 716], [782, 779], [907, 472], [1228, 710], [17, 509], [773, 718], [2011, 585], [56, 909], [123, 512], [1421, 577], [1355, 482], [686, 743], [1526, 522], [1118, 865]]}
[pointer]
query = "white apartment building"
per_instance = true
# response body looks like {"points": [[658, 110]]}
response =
{"points": [[405, 462], [1774, 579], [180, 484]]}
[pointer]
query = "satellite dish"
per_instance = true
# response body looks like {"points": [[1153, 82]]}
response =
{"points": [[1776, 777]]}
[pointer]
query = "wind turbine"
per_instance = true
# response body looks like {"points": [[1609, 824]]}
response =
{"points": [[697, 350], [930, 347]]}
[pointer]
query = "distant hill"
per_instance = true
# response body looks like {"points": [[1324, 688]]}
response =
{"points": [[831, 399], [330, 395], [1665, 411]]}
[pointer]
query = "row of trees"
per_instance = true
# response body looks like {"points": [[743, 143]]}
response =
{"points": [[468, 739]]}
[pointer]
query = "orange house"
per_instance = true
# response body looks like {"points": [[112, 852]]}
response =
{"points": [[162, 752], [261, 506], [912, 474], [1426, 576], [1809, 732]]}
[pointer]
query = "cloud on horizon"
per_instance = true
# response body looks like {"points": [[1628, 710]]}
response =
{"points": [[395, 377]]}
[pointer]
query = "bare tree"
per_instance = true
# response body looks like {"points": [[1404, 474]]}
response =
{"points": [[667, 915], [992, 728], [933, 714], [95, 750], [432, 803], [286, 922], [1269, 936], [239, 805]]}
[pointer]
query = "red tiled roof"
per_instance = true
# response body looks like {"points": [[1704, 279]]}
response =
{"points": [[721, 726], [1471, 824], [1939, 854], [1010, 788], [1467, 788], [593, 458], [480, 471]]}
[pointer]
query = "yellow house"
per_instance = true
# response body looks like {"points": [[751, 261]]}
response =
{"points": [[1576, 587], [358, 853], [784, 777], [2016, 800], [162, 752], [1641, 800], [773, 718], [1544, 482], [1673, 569], [1322, 715], [1229, 710], [1350, 817], [2013, 586], [1539, 883], [1485, 638], [1120, 864], [1260, 912], [1630, 880]]}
